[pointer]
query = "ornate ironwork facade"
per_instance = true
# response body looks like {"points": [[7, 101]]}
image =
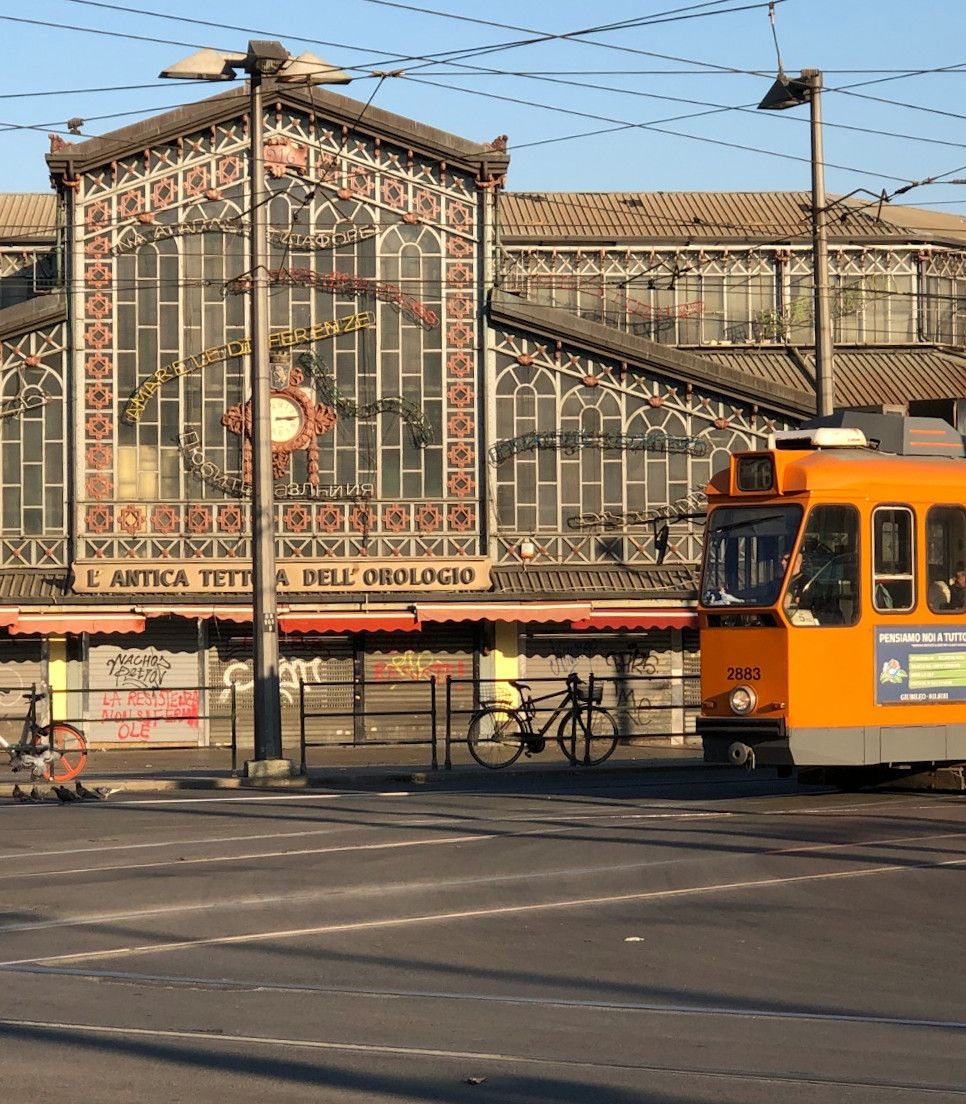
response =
{"points": [[720, 295], [558, 497], [33, 448], [366, 230]]}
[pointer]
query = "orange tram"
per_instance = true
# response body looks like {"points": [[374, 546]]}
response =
{"points": [[832, 605]]}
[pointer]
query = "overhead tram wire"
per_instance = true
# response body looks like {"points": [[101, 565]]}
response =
{"points": [[451, 55], [891, 74], [416, 9], [713, 108], [637, 125], [542, 36], [622, 124], [749, 109], [575, 36]]}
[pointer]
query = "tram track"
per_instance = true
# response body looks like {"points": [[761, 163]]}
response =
{"points": [[488, 1059]]}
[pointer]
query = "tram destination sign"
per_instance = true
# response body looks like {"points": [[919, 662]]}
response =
{"points": [[920, 664], [292, 576]]}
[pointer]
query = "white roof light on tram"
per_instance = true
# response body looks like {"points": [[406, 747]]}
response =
{"points": [[821, 437]]}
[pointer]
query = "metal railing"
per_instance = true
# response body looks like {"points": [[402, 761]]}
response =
{"points": [[627, 711], [138, 715], [435, 714], [430, 712]]}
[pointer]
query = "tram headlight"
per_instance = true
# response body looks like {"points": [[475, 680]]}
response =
{"points": [[742, 700]]}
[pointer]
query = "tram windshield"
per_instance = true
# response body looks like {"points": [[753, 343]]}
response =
{"points": [[746, 554]]}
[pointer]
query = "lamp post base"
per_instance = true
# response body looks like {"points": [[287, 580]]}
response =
{"points": [[269, 768]]}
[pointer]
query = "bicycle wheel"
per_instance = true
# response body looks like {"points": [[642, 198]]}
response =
{"points": [[603, 737], [69, 745], [494, 737]]}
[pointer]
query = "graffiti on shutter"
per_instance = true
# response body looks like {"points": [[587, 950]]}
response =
{"points": [[145, 693]]}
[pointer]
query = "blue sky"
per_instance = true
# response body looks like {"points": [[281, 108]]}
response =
{"points": [[601, 86]]}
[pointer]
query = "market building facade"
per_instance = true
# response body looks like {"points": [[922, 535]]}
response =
{"points": [[491, 429]]}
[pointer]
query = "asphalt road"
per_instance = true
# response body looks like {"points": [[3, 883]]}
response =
{"points": [[692, 937]]}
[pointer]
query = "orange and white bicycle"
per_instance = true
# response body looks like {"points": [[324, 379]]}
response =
{"points": [[56, 752]]}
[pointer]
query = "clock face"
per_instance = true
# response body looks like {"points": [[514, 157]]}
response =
{"points": [[286, 417]]}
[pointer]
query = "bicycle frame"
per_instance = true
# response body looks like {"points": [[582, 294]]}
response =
{"points": [[27, 752], [527, 710]]}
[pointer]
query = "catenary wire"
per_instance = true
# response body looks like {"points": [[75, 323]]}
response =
{"points": [[651, 126]]}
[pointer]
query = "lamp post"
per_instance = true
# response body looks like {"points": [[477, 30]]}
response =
{"points": [[263, 59], [792, 92]]}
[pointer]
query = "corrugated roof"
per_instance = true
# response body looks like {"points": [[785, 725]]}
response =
{"points": [[27, 217], [33, 586], [768, 366], [710, 217], [651, 581], [864, 376]]}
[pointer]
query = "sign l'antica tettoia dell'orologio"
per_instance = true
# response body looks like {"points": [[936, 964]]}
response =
{"points": [[162, 577]]}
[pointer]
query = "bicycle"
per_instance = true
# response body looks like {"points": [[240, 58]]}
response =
{"points": [[55, 752], [500, 733]]}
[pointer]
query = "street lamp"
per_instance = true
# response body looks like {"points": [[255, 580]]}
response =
{"points": [[263, 59], [792, 92]]}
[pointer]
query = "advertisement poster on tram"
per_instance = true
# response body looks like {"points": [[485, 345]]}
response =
{"points": [[920, 664]]}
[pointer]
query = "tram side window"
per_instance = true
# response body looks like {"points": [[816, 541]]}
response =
{"points": [[893, 558], [946, 559], [823, 583]]}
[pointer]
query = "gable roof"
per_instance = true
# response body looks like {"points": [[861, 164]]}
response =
{"points": [[688, 367], [780, 378], [33, 314], [80, 157]]}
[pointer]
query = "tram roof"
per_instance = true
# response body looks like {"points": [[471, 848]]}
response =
{"points": [[859, 474]]}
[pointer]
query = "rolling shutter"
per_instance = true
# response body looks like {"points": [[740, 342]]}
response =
{"points": [[21, 667], [398, 667], [635, 668], [320, 658], [144, 689]]}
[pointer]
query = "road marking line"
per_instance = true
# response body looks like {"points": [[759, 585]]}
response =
{"points": [[475, 914], [251, 856], [93, 919]]}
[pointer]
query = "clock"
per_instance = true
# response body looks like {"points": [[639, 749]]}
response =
{"points": [[286, 417]]}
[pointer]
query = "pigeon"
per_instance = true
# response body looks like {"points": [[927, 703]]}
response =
{"points": [[65, 796], [36, 796], [18, 794], [99, 793]]}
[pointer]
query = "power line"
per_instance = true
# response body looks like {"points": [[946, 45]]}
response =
{"points": [[624, 124]]}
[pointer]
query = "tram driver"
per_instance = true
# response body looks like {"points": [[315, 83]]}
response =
{"points": [[821, 579]]}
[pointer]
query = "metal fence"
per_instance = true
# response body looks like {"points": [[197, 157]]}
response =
{"points": [[146, 717], [434, 713], [424, 711], [445, 723]]}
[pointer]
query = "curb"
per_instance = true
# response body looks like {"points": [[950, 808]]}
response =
{"points": [[439, 779]]}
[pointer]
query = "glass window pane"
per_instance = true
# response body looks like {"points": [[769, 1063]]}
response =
{"points": [[823, 584], [893, 558], [946, 559]]}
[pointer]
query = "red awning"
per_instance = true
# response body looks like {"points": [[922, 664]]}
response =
{"points": [[64, 622], [639, 619], [9, 616], [535, 612], [241, 614], [349, 621]]}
